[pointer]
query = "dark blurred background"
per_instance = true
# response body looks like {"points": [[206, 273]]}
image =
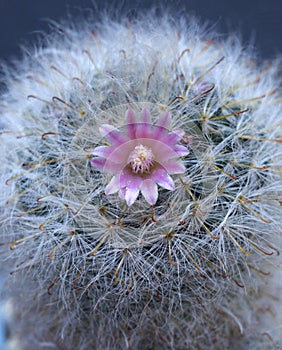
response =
{"points": [[258, 21]]}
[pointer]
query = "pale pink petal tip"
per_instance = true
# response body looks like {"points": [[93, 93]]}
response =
{"points": [[130, 116], [162, 178], [113, 186], [112, 134], [181, 150], [105, 129], [149, 190], [102, 151], [164, 120], [145, 116], [98, 163], [131, 124], [131, 195], [121, 193], [179, 132]]}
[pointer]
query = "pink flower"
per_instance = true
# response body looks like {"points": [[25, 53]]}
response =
{"points": [[141, 157]]}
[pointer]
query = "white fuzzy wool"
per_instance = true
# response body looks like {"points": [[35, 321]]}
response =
{"points": [[200, 269]]}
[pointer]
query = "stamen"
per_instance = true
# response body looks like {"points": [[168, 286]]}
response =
{"points": [[141, 159]]}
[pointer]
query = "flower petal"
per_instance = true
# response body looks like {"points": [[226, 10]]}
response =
{"points": [[128, 179], [179, 132], [173, 137], [112, 134], [164, 120], [113, 186], [122, 193], [131, 124], [106, 129], [161, 150], [131, 195], [143, 130], [149, 190], [161, 177], [106, 165], [181, 150], [98, 163], [145, 116], [119, 153], [102, 151], [130, 184]]}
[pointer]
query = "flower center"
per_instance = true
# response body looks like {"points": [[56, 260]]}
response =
{"points": [[141, 159]]}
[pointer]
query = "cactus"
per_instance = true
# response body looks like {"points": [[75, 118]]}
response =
{"points": [[141, 190]]}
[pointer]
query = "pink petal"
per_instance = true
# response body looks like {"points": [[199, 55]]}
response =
{"points": [[113, 186], [102, 151], [121, 193], [112, 134], [164, 120], [119, 153], [161, 177], [179, 132], [161, 150], [105, 129], [118, 158], [145, 116], [131, 124], [173, 167], [98, 163], [149, 190], [158, 132], [181, 150], [172, 138], [105, 165], [127, 179], [130, 116], [130, 185], [143, 130], [131, 195]]}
